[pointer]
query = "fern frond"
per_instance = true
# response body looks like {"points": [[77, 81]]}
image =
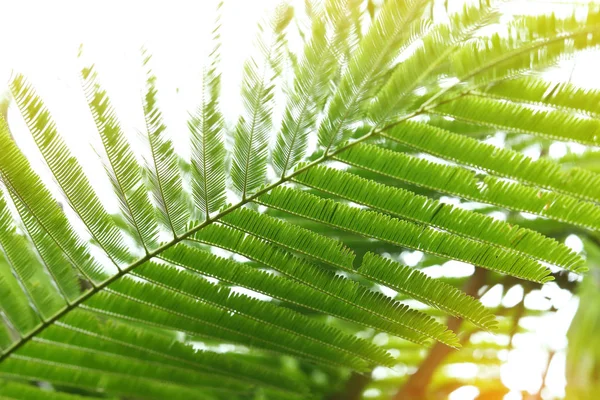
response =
{"points": [[506, 163], [290, 289], [421, 209], [18, 315], [312, 83], [419, 69], [291, 237], [551, 124], [532, 42], [29, 191], [326, 282], [402, 233], [466, 184], [12, 390], [121, 166], [163, 169], [206, 128], [375, 53], [427, 290], [37, 283], [270, 283], [64, 374], [267, 314], [59, 266], [67, 171], [250, 149], [537, 91], [152, 304], [356, 13], [72, 356], [85, 329]]}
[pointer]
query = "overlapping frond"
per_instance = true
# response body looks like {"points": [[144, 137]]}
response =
{"points": [[307, 337], [374, 54], [467, 184], [327, 283], [29, 272], [538, 91], [56, 262], [88, 330], [530, 42], [430, 291], [422, 209], [177, 301], [421, 67], [251, 139], [292, 237], [65, 374], [163, 168], [208, 149], [25, 185], [312, 85], [508, 116], [18, 315], [67, 171], [402, 233], [47, 352], [289, 289], [506, 163], [120, 164]]}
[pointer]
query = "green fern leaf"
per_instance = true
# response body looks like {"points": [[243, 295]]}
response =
{"points": [[18, 315], [153, 304], [267, 314], [67, 171], [121, 165], [542, 40], [287, 235], [325, 282], [375, 52], [250, 151], [378, 226], [464, 183], [537, 91], [64, 374], [163, 169], [551, 124], [292, 291], [311, 88], [418, 70], [87, 330], [208, 151], [423, 210], [23, 183], [502, 162], [429, 291]]}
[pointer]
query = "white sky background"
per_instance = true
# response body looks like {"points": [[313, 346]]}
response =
{"points": [[41, 39]]}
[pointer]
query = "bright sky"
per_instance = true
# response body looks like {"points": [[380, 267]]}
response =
{"points": [[41, 40]]}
